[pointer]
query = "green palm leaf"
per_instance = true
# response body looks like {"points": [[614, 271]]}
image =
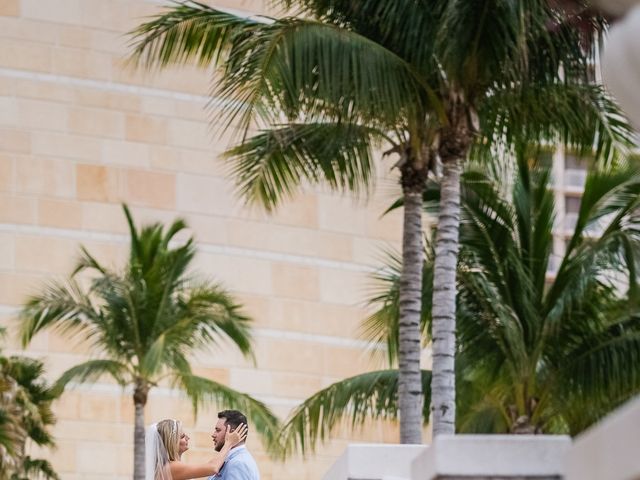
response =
{"points": [[201, 391], [369, 395], [274, 163]]}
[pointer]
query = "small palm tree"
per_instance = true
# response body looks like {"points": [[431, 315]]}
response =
{"points": [[25, 416], [145, 321], [329, 85], [535, 353]]}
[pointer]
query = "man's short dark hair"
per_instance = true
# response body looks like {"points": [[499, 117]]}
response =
{"points": [[233, 418]]}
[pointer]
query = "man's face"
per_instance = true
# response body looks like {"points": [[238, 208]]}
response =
{"points": [[218, 434]]}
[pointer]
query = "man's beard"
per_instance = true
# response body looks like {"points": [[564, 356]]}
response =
{"points": [[218, 446]]}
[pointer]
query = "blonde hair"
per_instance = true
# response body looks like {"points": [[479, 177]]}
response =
{"points": [[170, 431]]}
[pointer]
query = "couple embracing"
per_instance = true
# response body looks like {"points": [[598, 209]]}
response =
{"points": [[166, 441]]}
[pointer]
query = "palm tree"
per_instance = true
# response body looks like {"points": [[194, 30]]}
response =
{"points": [[145, 321], [34, 400], [341, 77], [25, 415], [536, 354]]}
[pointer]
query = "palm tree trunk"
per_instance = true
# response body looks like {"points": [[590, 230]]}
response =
{"points": [[443, 393], [410, 396], [139, 401]]}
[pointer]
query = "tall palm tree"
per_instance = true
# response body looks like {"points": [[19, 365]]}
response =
{"points": [[144, 322], [536, 353], [338, 78]]}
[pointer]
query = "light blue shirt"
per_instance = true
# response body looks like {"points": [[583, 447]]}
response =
{"points": [[239, 465]]}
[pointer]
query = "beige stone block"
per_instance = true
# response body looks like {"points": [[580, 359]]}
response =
{"points": [[237, 274], [372, 252], [93, 457], [158, 106], [16, 287], [97, 183], [204, 194], [59, 213], [146, 129], [335, 246], [346, 361], [104, 218], [187, 161], [208, 229], [125, 459], [82, 431], [18, 209], [60, 11], [108, 100], [286, 356], [10, 8], [189, 134], [7, 251], [293, 281], [9, 111], [7, 169], [130, 154], [253, 381], [74, 36], [344, 286], [48, 176], [340, 214], [386, 227], [256, 307], [293, 385], [95, 406], [12, 140], [179, 79], [65, 146], [25, 55], [7, 86], [42, 90], [33, 254], [289, 240], [42, 115], [113, 15], [220, 375], [98, 123], [301, 211], [198, 110], [160, 406], [315, 318], [81, 63], [150, 188]]}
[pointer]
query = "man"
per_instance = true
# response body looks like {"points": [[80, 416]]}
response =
{"points": [[239, 465]]}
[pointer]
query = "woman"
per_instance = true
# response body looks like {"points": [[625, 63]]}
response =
{"points": [[165, 443]]}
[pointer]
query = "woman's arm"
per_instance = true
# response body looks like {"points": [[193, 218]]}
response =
{"points": [[183, 471]]}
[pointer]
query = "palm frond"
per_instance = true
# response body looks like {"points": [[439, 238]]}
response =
{"points": [[92, 370], [187, 31], [583, 117], [63, 306], [369, 395], [381, 327], [201, 391], [273, 164], [296, 67]]}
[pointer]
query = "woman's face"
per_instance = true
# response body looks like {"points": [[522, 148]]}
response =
{"points": [[183, 444]]}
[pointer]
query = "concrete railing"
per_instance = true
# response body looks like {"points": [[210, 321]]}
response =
{"points": [[608, 451]]}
